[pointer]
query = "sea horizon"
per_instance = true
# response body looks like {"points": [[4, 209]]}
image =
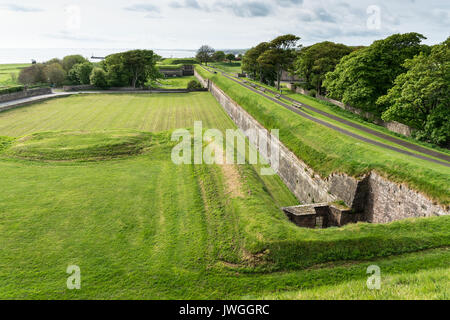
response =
{"points": [[26, 55]]}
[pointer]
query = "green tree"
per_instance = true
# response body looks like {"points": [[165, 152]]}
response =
{"points": [[314, 62], [72, 76], [250, 62], [280, 55], [84, 72], [205, 54], [98, 78], [69, 61], [54, 60], [421, 97], [80, 73], [33, 74], [131, 68], [366, 74], [230, 57], [218, 56], [141, 65], [55, 74]]}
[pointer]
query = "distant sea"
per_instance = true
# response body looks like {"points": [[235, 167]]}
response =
{"points": [[40, 55]]}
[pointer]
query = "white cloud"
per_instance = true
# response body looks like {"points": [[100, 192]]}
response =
{"points": [[220, 23]]}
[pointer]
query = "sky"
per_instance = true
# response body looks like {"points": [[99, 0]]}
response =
{"points": [[188, 24]]}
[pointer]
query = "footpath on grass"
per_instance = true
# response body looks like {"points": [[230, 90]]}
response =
{"points": [[403, 143]]}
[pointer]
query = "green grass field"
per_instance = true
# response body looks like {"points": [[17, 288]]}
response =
{"points": [[10, 71], [88, 180]]}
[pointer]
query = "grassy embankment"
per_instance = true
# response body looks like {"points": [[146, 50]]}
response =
{"points": [[176, 82], [327, 151], [173, 83], [233, 67], [100, 191]]}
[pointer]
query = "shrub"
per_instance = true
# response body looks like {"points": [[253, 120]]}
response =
{"points": [[194, 85], [55, 74], [313, 93], [80, 73], [98, 78], [33, 74], [11, 89], [437, 127], [69, 61]]}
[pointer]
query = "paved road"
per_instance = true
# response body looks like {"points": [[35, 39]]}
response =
{"points": [[348, 133]]}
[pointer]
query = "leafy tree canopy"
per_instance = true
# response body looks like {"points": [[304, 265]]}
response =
{"points": [[131, 68], [314, 62], [230, 57], [80, 73], [268, 59], [421, 97], [69, 61], [218, 56], [366, 74], [205, 54], [98, 78], [33, 74], [55, 74]]}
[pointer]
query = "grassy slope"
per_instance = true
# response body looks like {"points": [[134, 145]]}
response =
{"points": [[234, 67], [143, 227], [328, 151], [174, 83], [6, 70]]}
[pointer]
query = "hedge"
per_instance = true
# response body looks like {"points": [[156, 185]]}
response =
{"points": [[11, 89]]}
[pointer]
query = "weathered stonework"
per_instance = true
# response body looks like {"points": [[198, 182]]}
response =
{"points": [[24, 94], [388, 201], [375, 198], [322, 215]]}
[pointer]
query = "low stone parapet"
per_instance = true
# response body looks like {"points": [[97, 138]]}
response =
{"points": [[27, 93]]}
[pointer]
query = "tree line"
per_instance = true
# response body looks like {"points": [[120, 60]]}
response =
{"points": [[132, 68], [208, 54], [397, 78]]}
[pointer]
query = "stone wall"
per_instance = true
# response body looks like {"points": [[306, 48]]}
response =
{"points": [[379, 199], [24, 94], [393, 126], [81, 87], [169, 73]]}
